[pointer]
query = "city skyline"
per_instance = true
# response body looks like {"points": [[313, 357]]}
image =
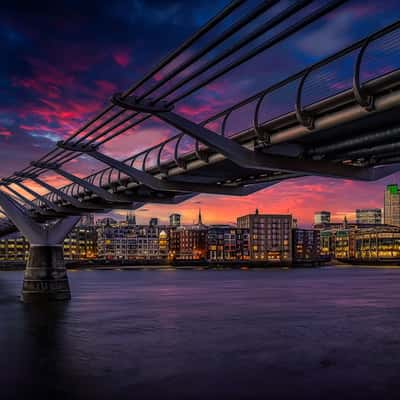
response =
{"points": [[303, 209]]}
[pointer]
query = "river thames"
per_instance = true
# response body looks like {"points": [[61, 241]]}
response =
{"points": [[330, 333]]}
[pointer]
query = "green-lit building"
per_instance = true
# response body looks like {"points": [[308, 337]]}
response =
{"points": [[391, 212]]}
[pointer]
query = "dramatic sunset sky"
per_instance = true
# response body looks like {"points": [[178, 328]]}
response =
{"points": [[62, 60]]}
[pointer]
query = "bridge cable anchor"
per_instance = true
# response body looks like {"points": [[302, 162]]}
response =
{"points": [[145, 105]]}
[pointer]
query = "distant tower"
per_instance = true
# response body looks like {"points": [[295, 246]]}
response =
{"points": [[199, 222], [322, 217], [391, 212], [175, 219], [153, 222], [257, 211], [130, 218], [87, 220]]}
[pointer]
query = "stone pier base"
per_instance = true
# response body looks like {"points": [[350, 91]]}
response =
{"points": [[45, 275]]}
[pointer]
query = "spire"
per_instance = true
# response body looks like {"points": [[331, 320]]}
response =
{"points": [[199, 222], [256, 211]]}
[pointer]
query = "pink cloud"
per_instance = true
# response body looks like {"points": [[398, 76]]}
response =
{"points": [[105, 88], [300, 197], [158, 76], [122, 57], [136, 140], [5, 133], [193, 111]]}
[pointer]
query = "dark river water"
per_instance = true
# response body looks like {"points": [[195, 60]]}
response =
{"points": [[327, 333]]}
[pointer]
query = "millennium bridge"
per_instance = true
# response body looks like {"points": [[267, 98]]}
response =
{"points": [[340, 119]]}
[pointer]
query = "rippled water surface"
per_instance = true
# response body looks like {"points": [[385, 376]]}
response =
{"points": [[276, 334]]}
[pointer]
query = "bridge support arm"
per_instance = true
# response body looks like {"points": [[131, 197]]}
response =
{"points": [[58, 232], [102, 193], [29, 228], [72, 200], [45, 277], [24, 199], [43, 199]]}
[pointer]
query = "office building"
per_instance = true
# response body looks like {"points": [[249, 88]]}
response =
{"points": [[372, 216], [391, 211], [14, 248], [130, 218], [322, 217], [132, 242], [377, 244], [227, 243], [270, 236], [189, 242], [175, 220], [87, 220], [153, 222], [106, 221], [306, 246], [344, 244], [81, 243]]}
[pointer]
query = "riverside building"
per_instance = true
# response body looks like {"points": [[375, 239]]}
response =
{"points": [[322, 217], [123, 241], [14, 248], [306, 246], [227, 243], [174, 220], [372, 216], [392, 205], [80, 244], [270, 236], [360, 242], [188, 242]]}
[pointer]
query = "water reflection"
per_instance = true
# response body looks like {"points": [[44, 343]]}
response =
{"points": [[206, 334]]}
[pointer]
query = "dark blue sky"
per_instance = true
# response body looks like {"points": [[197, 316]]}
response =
{"points": [[61, 62]]}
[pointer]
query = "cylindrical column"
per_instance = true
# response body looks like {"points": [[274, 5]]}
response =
{"points": [[45, 276]]}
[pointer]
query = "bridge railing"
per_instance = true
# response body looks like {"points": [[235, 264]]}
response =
{"points": [[349, 69]]}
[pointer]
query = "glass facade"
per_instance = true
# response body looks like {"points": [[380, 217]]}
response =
{"points": [[369, 216], [392, 205], [375, 245]]}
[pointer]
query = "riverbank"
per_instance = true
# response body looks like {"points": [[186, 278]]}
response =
{"points": [[103, 265]]}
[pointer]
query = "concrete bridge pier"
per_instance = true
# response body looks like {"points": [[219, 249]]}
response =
{"points": [[45, 277]]}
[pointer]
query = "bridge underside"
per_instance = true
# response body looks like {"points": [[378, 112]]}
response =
{"points": [[353, 142]]}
